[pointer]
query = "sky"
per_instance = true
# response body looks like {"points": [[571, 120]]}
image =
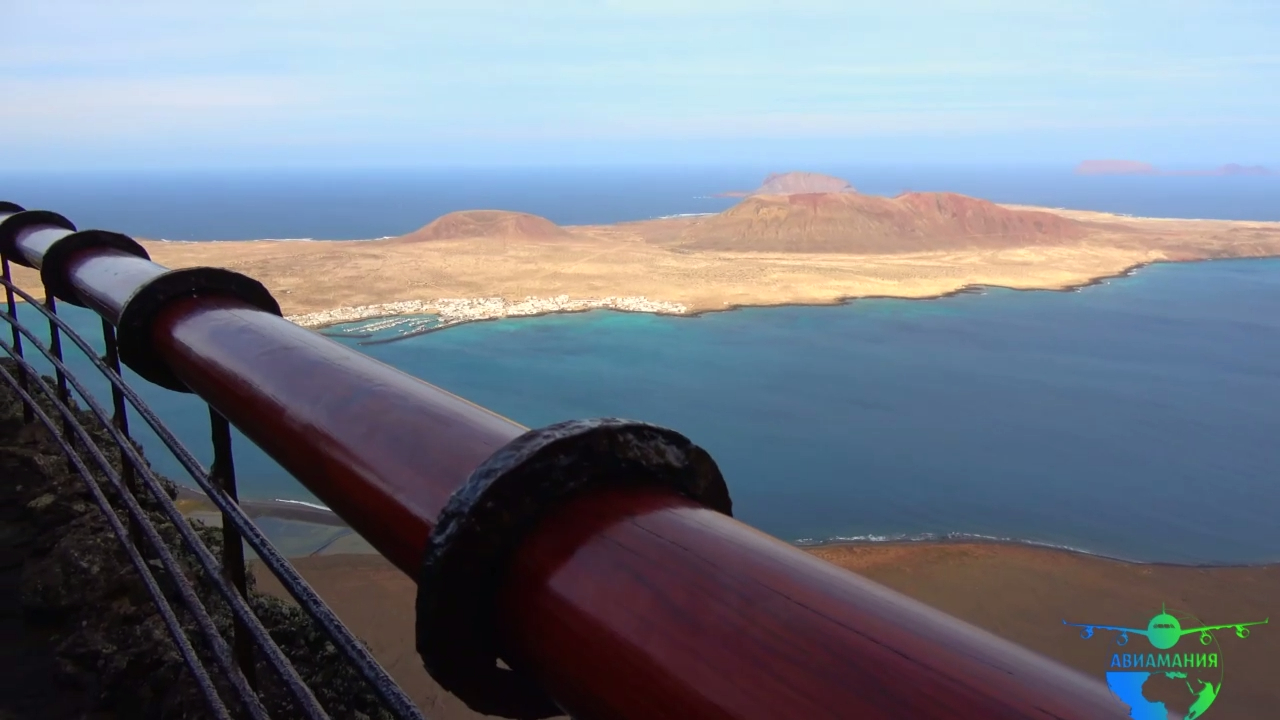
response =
{"points": [[111, 84]]}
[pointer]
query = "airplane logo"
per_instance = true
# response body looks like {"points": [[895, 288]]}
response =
{"points": [[1165, 630]]}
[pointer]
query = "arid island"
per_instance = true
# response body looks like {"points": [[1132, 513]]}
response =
{"points": [[799, 239]]}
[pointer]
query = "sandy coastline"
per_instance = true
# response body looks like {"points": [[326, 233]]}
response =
{"points": [[456, 311], [1020, 593], [195, 503], [431, 315], [489, 309], [1017, 590]]}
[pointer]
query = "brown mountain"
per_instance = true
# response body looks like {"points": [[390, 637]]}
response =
{"points": [[847, 222], [486, 224]]}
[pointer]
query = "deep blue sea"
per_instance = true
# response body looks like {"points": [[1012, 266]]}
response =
{"points": [[1138, 418]]}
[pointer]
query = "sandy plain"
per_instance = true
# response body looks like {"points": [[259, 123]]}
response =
{"points": [[648, 260]]}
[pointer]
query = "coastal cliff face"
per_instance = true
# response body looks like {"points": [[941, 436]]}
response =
{"points": [[848, 222], [486, 224]]}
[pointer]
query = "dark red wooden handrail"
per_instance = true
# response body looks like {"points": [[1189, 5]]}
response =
{"points": [[623, 603]]}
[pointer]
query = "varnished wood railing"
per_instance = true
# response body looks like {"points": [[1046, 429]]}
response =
{"points": [[597, 560]]}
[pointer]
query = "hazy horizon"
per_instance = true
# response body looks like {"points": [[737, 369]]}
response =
{"points": [[144, 84], [755, 170]]}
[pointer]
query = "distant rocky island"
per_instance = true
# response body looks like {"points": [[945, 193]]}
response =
{"points": [[1133, 167], [795, 183]]}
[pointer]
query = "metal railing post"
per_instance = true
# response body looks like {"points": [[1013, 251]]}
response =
{"points": [[120, 418], [55, 344], [223, 472], [47, 242], [12, 304]]}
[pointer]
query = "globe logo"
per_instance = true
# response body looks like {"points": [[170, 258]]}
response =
{"points": [[1167, 683]]}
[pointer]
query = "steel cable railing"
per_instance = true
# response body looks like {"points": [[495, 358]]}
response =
{"points": [[138, 519], [226, 576], [157, 545], [356, 653]]}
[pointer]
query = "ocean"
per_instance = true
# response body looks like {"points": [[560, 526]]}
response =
{"points": [[1136, 418]]}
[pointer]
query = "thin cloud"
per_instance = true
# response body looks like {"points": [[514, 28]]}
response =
{"points": [[336, 74], [50, 110]]}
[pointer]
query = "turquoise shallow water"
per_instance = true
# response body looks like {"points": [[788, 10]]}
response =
{"points": [[1138, 418]]}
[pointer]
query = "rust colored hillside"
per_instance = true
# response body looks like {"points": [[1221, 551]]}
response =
{"points": [[486, 224], [847, 222]]}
